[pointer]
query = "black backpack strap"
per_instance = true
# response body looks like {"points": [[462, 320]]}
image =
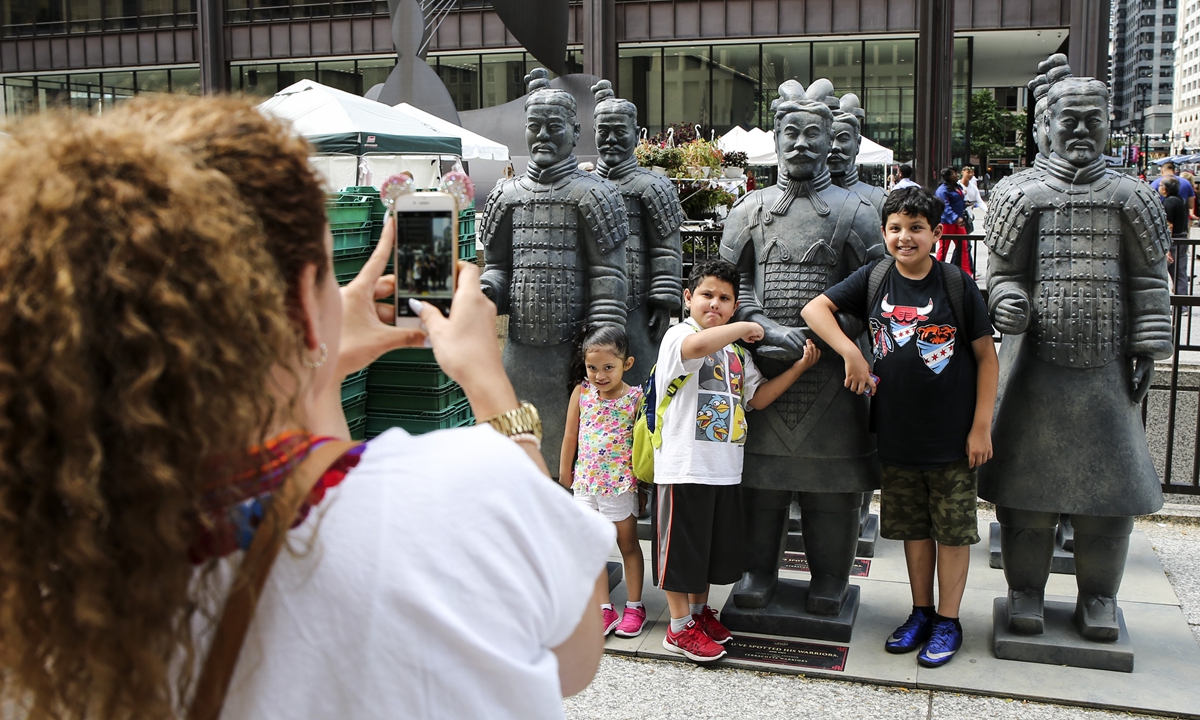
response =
{"points": [[876, 278], [952, 280]]}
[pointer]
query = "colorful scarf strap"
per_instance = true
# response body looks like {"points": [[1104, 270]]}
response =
{"points": [[232, 506]]}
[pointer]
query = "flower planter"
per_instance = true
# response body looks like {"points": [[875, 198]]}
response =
{"points": [[735, 172]]}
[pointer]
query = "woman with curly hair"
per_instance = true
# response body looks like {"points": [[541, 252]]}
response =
{"points": [[172, 343]]}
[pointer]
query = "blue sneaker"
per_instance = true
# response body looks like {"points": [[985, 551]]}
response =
{"points": [[911, 634], [945, 640]]}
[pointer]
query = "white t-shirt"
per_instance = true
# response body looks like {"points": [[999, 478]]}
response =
{"points": [[444, 568], [905, 183], [704, 428]]}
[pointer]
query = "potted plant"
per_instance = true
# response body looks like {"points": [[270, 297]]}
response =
{"points": [[735, 164]]}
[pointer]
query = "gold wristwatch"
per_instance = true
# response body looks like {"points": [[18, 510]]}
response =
{"points": [[518, 421]]}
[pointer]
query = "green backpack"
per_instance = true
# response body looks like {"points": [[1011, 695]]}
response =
{"points": [[647, 427]]}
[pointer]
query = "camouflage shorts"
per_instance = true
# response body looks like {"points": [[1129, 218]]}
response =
{"points": [[936, 503]]}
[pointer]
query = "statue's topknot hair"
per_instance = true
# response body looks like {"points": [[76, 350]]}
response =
{"points": [[794, 98], [849, 110], [608, 102], [541, 93]]}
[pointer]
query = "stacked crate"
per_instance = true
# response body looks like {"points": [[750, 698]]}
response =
{"points": [[407, 389], [404, 388]]}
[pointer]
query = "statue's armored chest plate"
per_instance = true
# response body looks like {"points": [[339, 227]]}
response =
{"points": [[1078, 291], [797, 258], [547, 291]]}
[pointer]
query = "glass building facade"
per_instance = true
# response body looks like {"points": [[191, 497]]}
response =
{"points": [[721, 86], [715, 86]]}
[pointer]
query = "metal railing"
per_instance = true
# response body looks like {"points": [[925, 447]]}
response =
{"points": [[1171, 410]]}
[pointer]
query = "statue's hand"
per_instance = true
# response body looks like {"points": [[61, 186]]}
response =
{"points": [[1143, 373], [781, 342], [660, 320], [1011, 315]]}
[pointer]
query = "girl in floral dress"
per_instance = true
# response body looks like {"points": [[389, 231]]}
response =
{"points": [[597, 456]]}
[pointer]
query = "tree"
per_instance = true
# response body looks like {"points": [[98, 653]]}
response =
{"points": [[992, 129]]}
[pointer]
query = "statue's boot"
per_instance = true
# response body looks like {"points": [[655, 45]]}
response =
{"points": [[1027, 548], [1101, 548], [864, 513], [830, 540], [1065, 538], [766, 518]]}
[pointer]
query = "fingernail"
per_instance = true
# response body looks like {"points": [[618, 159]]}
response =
{"points": [[428, 343], [416, 305]]}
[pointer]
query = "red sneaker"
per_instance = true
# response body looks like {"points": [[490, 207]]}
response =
{"points": [[632, 622], [712, 627], [611, 618], [693, 644]]}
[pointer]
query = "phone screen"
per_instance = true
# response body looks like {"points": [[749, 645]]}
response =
{"points": [[425, 256]]}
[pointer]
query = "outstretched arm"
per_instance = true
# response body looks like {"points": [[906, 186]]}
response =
{"points": [[819, 314], [770, 391], [708, 341]]}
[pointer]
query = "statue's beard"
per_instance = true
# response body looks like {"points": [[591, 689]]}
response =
{"points": [[800, 164], [613, 154]]}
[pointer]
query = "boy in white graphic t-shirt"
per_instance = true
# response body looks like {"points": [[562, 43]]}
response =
{"points": [[698, 534]]}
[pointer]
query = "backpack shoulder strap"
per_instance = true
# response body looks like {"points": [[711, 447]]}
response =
{"points": [[222, 657], [876, 278], [952, 280]]}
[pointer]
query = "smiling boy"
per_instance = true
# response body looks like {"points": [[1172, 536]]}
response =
{"points": [[932, 408], [698, 537]]}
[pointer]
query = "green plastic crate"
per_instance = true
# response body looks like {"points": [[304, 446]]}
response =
{"points": [[414, 399], [354, 385], [466, 247], [409, 355], [352, 238], [358, 428], [406, 375], [355, 408], [418, 423], [348, 262], [377, 208], [342, 210]]}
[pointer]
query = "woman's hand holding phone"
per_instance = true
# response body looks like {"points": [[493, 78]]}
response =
{"points": [[368, 326]]}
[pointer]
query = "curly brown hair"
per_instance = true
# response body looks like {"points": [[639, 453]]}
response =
{"points": [[266, 162], [141, 319]]}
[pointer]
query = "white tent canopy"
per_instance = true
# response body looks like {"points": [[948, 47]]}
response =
{"points": [[759, 145], [473, 145], [872, 153], [340, 122]]}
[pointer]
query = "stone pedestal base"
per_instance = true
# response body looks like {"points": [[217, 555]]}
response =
{"points": [[615, 573], [1063, 562], [866, 543], [786, 615], [1061, 643]]}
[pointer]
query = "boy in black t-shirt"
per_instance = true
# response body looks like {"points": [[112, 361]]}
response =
{"points": [[932, 407]]}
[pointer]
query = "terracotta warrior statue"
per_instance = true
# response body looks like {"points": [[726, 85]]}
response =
{"points": [[653, 252], [791, 242], [848, 117], [554, 242], [1078, 285]]}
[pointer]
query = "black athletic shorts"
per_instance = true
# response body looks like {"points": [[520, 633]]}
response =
{"points": [[698, 536]]}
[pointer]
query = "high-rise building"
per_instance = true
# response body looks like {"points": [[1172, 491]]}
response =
{"points": [[1144, 34], [1185, 126]]}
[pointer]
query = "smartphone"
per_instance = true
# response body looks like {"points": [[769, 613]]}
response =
{"points": [[425, 254]]}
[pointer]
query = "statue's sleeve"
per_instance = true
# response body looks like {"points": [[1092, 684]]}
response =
{"points": [[660, 206], [606, 228], [869, 232], [1010, 236], [1144, 262], [496, 232], [737, 246]]}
